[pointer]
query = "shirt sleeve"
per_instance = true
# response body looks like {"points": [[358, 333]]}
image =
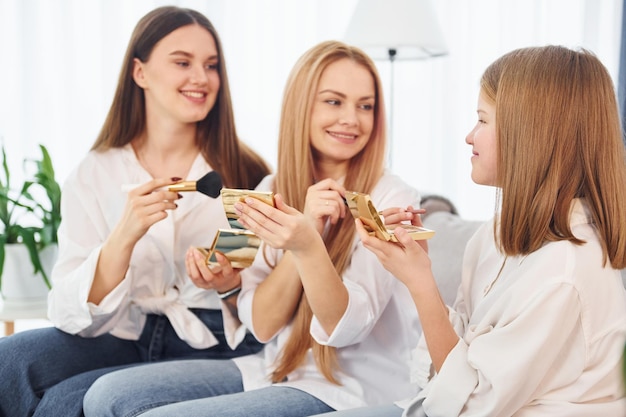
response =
{"points": [[495, 369], [370, 286], [234, 330], [79, 249], [251, 278]]}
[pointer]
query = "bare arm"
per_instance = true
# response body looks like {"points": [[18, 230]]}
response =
{"points": [[276, 299], [408, 261], [299, 234]]}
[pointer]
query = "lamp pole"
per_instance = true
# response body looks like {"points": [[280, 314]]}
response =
{"points": [[392, 57]]}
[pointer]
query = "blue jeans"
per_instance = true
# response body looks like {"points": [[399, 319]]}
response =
{"points": [[192, 388], [46, 372]]}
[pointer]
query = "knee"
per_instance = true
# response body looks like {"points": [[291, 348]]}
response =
{"points": [[100, 397], [116, 394], [20, 354], [17, 348]]}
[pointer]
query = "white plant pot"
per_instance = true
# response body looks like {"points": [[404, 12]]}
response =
{"points": [[19, 284]]}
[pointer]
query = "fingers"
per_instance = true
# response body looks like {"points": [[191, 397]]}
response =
{"points": [[148, 204], [416, 220], [259, 217], [403, 237], [153, 185], [220, 277], [331, 185], [225, 268], [282, 227], [151, 197], [369, 241], [326, 199], [333, 207], [272, 225], [282, 206], [197, 269], [397, 215]]}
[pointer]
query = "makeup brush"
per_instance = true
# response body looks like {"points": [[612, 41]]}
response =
{"points": [[210, 184]]}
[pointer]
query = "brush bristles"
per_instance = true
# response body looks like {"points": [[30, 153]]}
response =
{"points": [[210, 184]]}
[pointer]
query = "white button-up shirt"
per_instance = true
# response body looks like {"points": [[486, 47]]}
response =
{"points": [[156, 281], [544, 339], [373, 339]]}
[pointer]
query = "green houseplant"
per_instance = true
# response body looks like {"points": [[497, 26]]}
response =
{"points": [[38, 200]]}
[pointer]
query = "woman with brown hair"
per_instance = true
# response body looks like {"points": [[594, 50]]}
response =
{"points": [[539, 325], [122, 287], [330, 315]]}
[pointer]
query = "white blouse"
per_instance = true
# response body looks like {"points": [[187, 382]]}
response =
{"points": [[545, 339], [374, 338], [156, 281]]}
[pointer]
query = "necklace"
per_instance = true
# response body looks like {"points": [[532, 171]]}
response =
{"points": [[490, 286]]}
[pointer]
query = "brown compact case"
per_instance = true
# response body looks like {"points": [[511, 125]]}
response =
{"points": [[238, 244], [362, 208]]}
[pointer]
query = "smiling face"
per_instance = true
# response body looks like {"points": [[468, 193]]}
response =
{"points": [[483, 141], [180, 79], [342, 116]]}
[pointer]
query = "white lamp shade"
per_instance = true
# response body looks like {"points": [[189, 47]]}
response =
{"points": [[410, 27]]}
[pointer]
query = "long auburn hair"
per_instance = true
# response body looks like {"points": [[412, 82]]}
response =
{"points": [[216, 136], [559, 137], [296, 172]]}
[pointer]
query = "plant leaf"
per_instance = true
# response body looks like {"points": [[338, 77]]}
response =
{"points": [[48, 212], [2, 252]]}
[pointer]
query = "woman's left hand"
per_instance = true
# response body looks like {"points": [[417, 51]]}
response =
{"points": [[405, 259], [221, 277], [282, 227]]}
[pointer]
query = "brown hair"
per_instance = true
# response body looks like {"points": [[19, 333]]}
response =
{"points": [[216, 135], [295, 173], [559, 137]]}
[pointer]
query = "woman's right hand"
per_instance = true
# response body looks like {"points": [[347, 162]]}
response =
{"points": [[394, 216], [146, 205], [325, 200]]}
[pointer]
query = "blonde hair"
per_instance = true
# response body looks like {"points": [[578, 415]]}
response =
{"points": [[295, 173], [238, 165], [559, 137]]}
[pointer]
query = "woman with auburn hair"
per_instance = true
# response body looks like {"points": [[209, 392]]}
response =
{"points": [[329, 313], [216, 135], [539, 324], [123, 291]]}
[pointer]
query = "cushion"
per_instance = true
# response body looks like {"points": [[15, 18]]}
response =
{"points": [[446, 249]]}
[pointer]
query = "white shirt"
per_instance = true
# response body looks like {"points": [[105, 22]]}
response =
{"points": [[374, 337], [156, 281], [545, 340]]}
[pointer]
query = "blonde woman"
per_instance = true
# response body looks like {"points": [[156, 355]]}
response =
{"points": [[332, 318]]}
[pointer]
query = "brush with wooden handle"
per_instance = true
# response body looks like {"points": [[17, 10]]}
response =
{"points": [[210, 184]]}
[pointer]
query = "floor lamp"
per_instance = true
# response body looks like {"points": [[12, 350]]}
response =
{"points": [[396, 30]]}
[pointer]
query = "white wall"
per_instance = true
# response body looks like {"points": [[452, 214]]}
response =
{"points": [[60, 60]]}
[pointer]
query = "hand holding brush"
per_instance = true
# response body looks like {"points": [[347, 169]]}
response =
{"points": [[210, 185]]}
